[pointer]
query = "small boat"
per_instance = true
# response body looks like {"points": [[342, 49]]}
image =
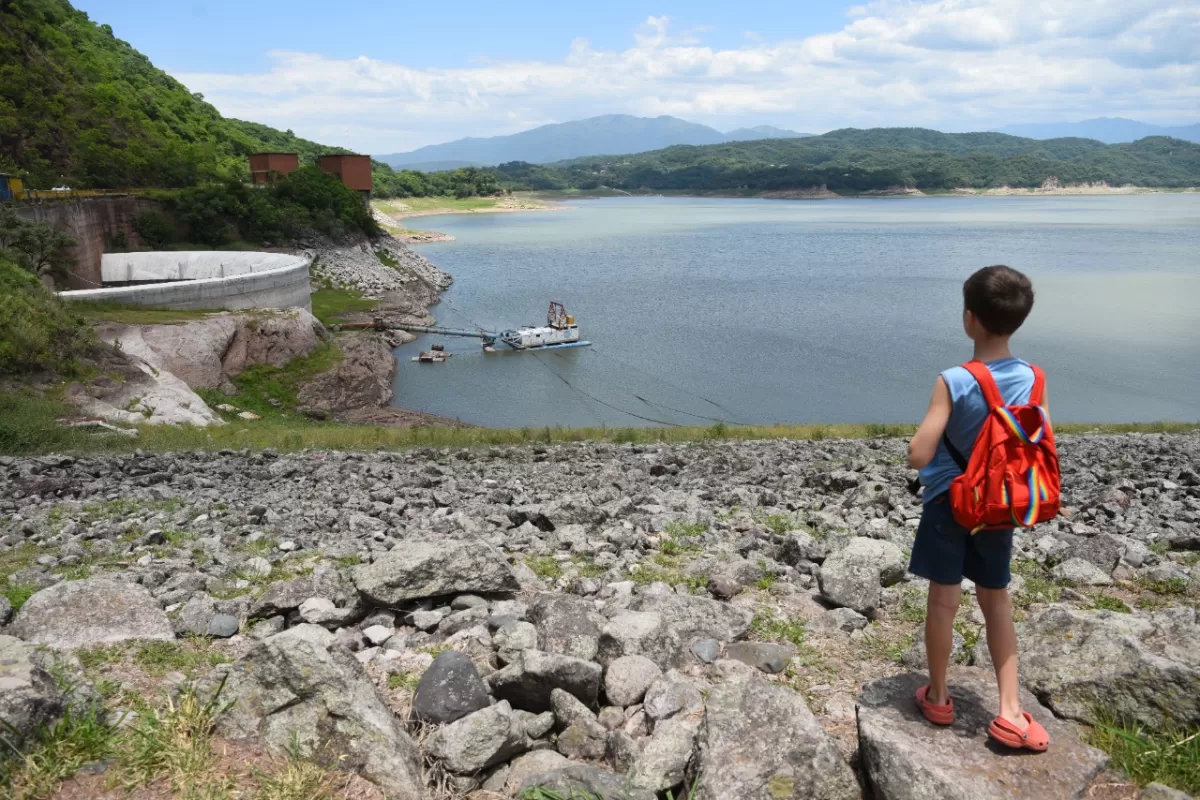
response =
{"points": [[560, 330], [437, 355]]}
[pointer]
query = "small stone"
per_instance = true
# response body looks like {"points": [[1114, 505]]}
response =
{"points": [[223, 626], [707, 650], [611, 717], [258, 566], [465, 601], [427, 620], [843, 619], [270, 626], [378, 634], [627, 679], [1078, 572], [767, 657], [288, 546], [723, 587]]}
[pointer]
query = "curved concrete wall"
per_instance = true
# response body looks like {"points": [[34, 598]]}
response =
{"points": [[202, 280]]}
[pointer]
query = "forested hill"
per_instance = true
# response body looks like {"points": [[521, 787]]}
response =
{"points": [[80, 107], [852, 160]]}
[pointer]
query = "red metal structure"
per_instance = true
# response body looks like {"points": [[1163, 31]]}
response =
{"points": [[352, 170], [557, 316], [267, 167]]}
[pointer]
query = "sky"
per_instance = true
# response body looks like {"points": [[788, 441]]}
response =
{"points": [[391, 76]]}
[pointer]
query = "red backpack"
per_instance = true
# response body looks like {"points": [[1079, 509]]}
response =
{"points": [[1012, 479]]}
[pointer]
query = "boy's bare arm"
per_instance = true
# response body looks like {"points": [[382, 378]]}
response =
{"points": [[924, 443]]}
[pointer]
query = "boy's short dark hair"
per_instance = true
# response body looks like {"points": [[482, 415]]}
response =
{"points": [[1000, 297]]}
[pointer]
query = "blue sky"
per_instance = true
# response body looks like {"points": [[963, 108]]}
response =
{"points": [[386, 77]]}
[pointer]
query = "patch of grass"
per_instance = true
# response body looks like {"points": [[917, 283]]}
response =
{"points": [[913, 606], [404, 681], [587, 568], [331, 305], [348, 561], [189, 657], [57, 753], [1110, 603], [886, 648], [538, 793], [679, 529], [261, 546], [174, 742], [299, 779], [1038, 586], [970, 634], [1170, 757], [1172, 587], [766, 583], [136, 315], [18, 594], [545, 567], [667, 570], [769, 628], [262, 383], [100, 655]]}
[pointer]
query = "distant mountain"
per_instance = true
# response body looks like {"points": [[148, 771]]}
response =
{"points": [[762, 132], [1110, 130], [613, 134]]}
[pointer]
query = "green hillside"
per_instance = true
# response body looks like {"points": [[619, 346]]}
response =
{"points": [[852, 160]]}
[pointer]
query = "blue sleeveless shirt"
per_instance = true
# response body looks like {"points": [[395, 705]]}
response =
{"points": [[1014, 379]]}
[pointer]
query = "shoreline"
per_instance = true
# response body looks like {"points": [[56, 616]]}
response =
{"points": [[822, 193], [408, 236]]}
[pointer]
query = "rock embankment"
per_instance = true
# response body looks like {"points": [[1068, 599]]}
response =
{"points": [[379, 266], [730, 619]]}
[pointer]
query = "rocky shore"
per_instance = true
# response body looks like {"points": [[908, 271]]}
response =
{"points": [[728, 619]]}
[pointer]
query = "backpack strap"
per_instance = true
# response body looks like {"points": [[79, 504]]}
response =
{"points": [[983, 376], [1037, 395]]}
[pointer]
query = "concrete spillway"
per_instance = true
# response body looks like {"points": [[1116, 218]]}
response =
{"points": [[202, 280]]}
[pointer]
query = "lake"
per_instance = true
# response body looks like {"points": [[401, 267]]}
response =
{"points": [[760, 311]]}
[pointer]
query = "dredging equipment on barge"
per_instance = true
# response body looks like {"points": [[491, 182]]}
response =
{"points": [[560, 331]]}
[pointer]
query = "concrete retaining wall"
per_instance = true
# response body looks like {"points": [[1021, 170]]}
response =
{"points": [[202, 280]]}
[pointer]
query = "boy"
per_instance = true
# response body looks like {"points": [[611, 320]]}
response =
{"points": [[996, 300]]}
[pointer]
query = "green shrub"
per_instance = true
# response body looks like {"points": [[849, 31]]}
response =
{"points": [[38, 333], [156, 229]]}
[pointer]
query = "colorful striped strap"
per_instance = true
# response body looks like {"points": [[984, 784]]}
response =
{"points": [[1037, 495], [1010, 419]]}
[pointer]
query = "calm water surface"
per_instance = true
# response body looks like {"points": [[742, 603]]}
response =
{"points": [[810, 311]]}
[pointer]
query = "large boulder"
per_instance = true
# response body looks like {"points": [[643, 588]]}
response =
{"points": [[478, 740], [567, 625], [760, 741], [361, 378], [906, 758], [300, 687], [849, 585], [627, 679], [30, 697], [529, 681], [641, 633], [664, 760], [449, 690], [284, 597], [75, 614], [693, 618], [1139, 668], [585, 780], [418, 569]]}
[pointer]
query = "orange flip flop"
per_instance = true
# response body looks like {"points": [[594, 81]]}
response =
{"points": [[938, 715], [1009, 735]]}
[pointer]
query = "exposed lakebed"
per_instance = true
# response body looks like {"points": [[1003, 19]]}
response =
{"points": [[826, 311]]}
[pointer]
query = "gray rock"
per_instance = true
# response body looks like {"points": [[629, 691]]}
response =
{"points": [[878, 553], [691, 618], [529, 680], [587, 781], [322, 611], [707, 650], [534, 763], [640, 633], [1103, 550], [1078, 572], [465, 601], [427, 620], [663, 761], [195, 616], [760, 740], [670, 695], [580, 743], [299, 688], [567, 625], [449, 690], [417, 569], [478, 740], [843, 619], [535, 725], [906, 758], [378, 634], [223, 626], [724, 587], [5, 611], [266, 628], [258, 566], [286, 596], [31, 700], [627, 679], [611, 717], [1157, 791], [764, 656], [569, 711], [513, 638], [75, 614], [461, 620], [799, 547], [854, 586], [914, 657], [1140, 668]]}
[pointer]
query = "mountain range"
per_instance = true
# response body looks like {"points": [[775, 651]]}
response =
{"points": [[611, 134], [1110, 130]]}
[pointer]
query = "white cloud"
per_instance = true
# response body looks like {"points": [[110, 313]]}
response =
{"points": [[957, 64]]}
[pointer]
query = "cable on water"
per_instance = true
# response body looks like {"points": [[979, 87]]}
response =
{"points": [[599, 421], [627, 365], [602, 402], [685, 413]]}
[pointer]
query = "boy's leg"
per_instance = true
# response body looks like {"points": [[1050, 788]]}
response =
{"points": [[1002, 644], [939, 637]]}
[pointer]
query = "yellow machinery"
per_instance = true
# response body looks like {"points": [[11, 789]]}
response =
{"points": [[12, 189]]}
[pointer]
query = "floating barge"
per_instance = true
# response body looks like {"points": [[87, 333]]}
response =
{"points": [[560, 331]]}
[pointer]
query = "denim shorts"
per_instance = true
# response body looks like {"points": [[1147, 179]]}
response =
{"points": [[946, 552]]}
